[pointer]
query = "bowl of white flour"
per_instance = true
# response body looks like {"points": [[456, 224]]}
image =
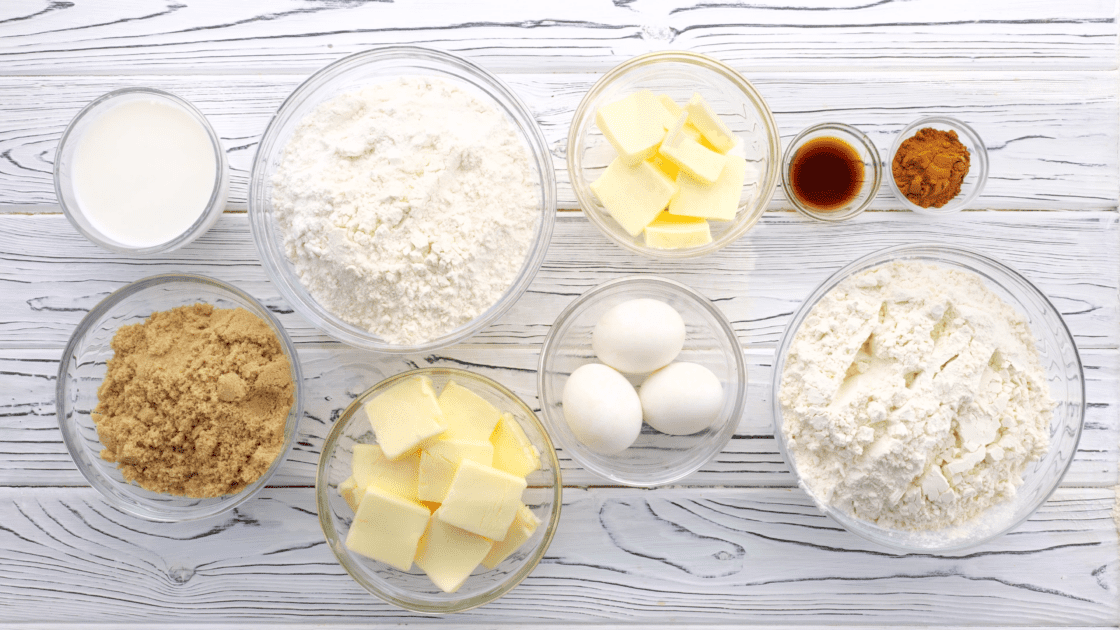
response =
{"points": [[928, 398], [402, 199]]}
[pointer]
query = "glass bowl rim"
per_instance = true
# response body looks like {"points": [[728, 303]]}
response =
{"points": [[326, 521], [876, 169], [582, 118], [928, 252], [274, 260], [119, 296], [979, 149]]}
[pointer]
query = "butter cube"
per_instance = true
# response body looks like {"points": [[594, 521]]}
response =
{"points": [[719, 201], [669, 231], [436, 473], [634, 195], [693, 158], [348, 490], [370, 467], [671, 108], [387, 528], [522, 528], [405, 415], [665, 166], [467, 415], [633, 125], [482, 500], [513, 452], [455, 451], [700, 115], [449, 554]]}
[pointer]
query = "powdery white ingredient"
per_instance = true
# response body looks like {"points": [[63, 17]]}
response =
{"points": [[407, 207], [913, 397]]}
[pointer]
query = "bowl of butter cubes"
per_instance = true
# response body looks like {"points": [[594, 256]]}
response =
{"points": [[673, 155], [438, 490]]}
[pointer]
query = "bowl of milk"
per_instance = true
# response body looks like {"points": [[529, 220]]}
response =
{"points": [[141, 171]]}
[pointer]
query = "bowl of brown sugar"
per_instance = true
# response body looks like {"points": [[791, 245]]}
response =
{"points": [[939, 165], [178, 397]]}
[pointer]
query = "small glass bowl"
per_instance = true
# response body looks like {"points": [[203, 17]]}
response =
{"points": [[67, 153], [413, 590], [655, 458], [352, 73], [1058, 356], [678, 74], [83, 368], [974, 181], [868, 154]]}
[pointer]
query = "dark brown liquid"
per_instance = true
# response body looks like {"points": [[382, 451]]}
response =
{"points": [[826, 173]]}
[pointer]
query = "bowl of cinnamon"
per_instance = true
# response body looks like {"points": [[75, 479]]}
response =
{"points": [[939, 165]]}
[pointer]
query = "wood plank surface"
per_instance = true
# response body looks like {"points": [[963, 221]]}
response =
{"points": [[620, 556], [44, 37], [1051, 136]]}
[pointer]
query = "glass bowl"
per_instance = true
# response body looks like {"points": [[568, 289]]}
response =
{"points": [[655, 458], [348, 74], [67, 153], [1059, 359], [678, 74], [83, 368], [974, 181], [412, 589], [868, 154]]}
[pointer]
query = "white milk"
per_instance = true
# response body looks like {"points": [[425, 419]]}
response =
{"points": [[144, 172]]}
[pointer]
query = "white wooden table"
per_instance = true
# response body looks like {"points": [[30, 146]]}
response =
{"points": [[737, 543]]}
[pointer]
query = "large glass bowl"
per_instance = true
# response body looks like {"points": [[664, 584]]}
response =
{"points": [[412, 589], [83, 367], [678, 74], [1059, 358], [354, 72], [655, 458]]}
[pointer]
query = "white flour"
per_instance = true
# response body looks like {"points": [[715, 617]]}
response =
{"points": [[407, 207], [913, 397]]}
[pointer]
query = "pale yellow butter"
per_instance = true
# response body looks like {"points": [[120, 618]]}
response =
{"points": [[522, 528], [513, 452], [467, 415], [370, 467], [449, 554], [719, 201], [348, 490], [387, 528], [665, 166], [693, 158], [714, 130], [634, 125], [482, 500], [435, 477], [633, 195], [669, 231], [405, 415]]}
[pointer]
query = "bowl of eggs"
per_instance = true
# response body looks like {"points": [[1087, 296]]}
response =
{"points": [[642, 381]]}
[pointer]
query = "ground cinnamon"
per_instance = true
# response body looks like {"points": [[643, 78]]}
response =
{"points": [[930, 166]]}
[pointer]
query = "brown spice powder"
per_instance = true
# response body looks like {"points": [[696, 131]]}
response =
{"points": [[195, 401], [929, 167]]}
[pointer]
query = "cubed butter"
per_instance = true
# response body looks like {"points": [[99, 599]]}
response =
{"points": [[669, 231], [665, 166], [467, 415], [693, 158], [513, 452], [387, 528], [405, 415], [482, 500], [714, 130], [370, 466], [455, 451], [449, 554], [348, 491], [719, 201], [634, 195], [671, 108], [634, 125], [435, 477], [522, 528]]}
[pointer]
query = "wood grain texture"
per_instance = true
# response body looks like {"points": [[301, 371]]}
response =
{"points": [[32, 452], [620, 556], [45, 37], [1051, 136]]}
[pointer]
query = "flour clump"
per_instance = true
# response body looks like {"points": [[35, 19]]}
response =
{"points": [[913, 397], [407, 207]]}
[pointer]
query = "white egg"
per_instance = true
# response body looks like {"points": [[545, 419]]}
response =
{"points": [[681, 399], [638, 336], [602, 409]]}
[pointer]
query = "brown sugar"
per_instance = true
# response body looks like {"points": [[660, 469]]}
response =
{"points": [[195, 401], [930, 166]]}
